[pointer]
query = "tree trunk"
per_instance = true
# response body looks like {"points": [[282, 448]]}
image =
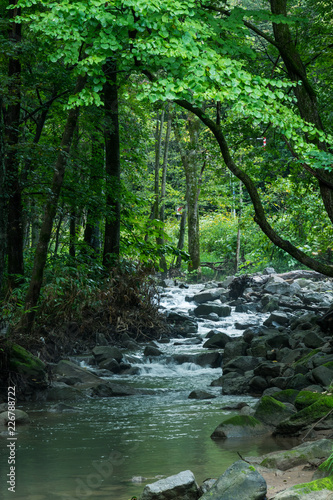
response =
{"points": [[306, 96], [92, 232], [12, 133], [33, 292], [160, 241], [3, 203], [181, 239], [192, 191], [112, 166]]}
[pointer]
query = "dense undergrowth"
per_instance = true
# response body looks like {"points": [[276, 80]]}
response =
{"points": [[80, 300]]}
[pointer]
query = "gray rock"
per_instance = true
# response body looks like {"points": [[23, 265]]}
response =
{"points": [[299, 455], [234, 384], [277, 318], [269, 270], [240, 426], [271, 412], [234, 349], [181, 486], [102, 353], [110, 364], [313, 340], [217, 340], [323, 375], [211, 307], [207, 296], [63, 392], [151, 351], [239, 481], [66, 368], [201, 395], [242, 364]]}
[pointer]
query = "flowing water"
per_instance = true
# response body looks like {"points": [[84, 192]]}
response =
{"points": [[109, 448]]}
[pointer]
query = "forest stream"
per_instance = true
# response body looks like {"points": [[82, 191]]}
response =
{"points": [[109, 448]]}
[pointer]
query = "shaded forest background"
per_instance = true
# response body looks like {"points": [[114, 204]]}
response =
{"points": [[186, 138]]}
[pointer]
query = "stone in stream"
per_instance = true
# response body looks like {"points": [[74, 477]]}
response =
{"points": [[218, 340], [69, 369], [299, 455], [271, 412], [201, 395], [239, 482], [103, 353], [205, 309], [240, 426], [181, 486]]}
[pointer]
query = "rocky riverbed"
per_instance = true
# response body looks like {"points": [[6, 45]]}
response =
{"points": [[279, 350]]}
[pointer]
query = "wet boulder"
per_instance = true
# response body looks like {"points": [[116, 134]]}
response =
{"points": [[180, 486], [71, 370], [205, 309], [271, 412], [207, 295], [239, 481], [307, 417], [299, 455], [201, 395], [103, 353], [151, 351], [240, 426], [181, 324], [218, 341], [31, 369]]}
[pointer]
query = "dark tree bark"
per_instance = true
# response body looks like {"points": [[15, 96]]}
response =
{"points": [[260, 216], [33, 292], [112, 165], [160, 241], [12, 135], [305, 93], [92, 235]]}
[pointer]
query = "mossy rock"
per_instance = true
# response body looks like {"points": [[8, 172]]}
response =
{"points": [[306, 417], [305, 359], [286, 396], [29, 366], [306, 398], [299, 455], [271, 412], [308, 490], [239, 426]]}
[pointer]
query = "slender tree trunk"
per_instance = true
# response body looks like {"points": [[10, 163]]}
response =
{"points": [[112, 166], [158, 148], [12, 124], [181, 239], [192, 190], [33, 292], [92, 232], [160, 241]]}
